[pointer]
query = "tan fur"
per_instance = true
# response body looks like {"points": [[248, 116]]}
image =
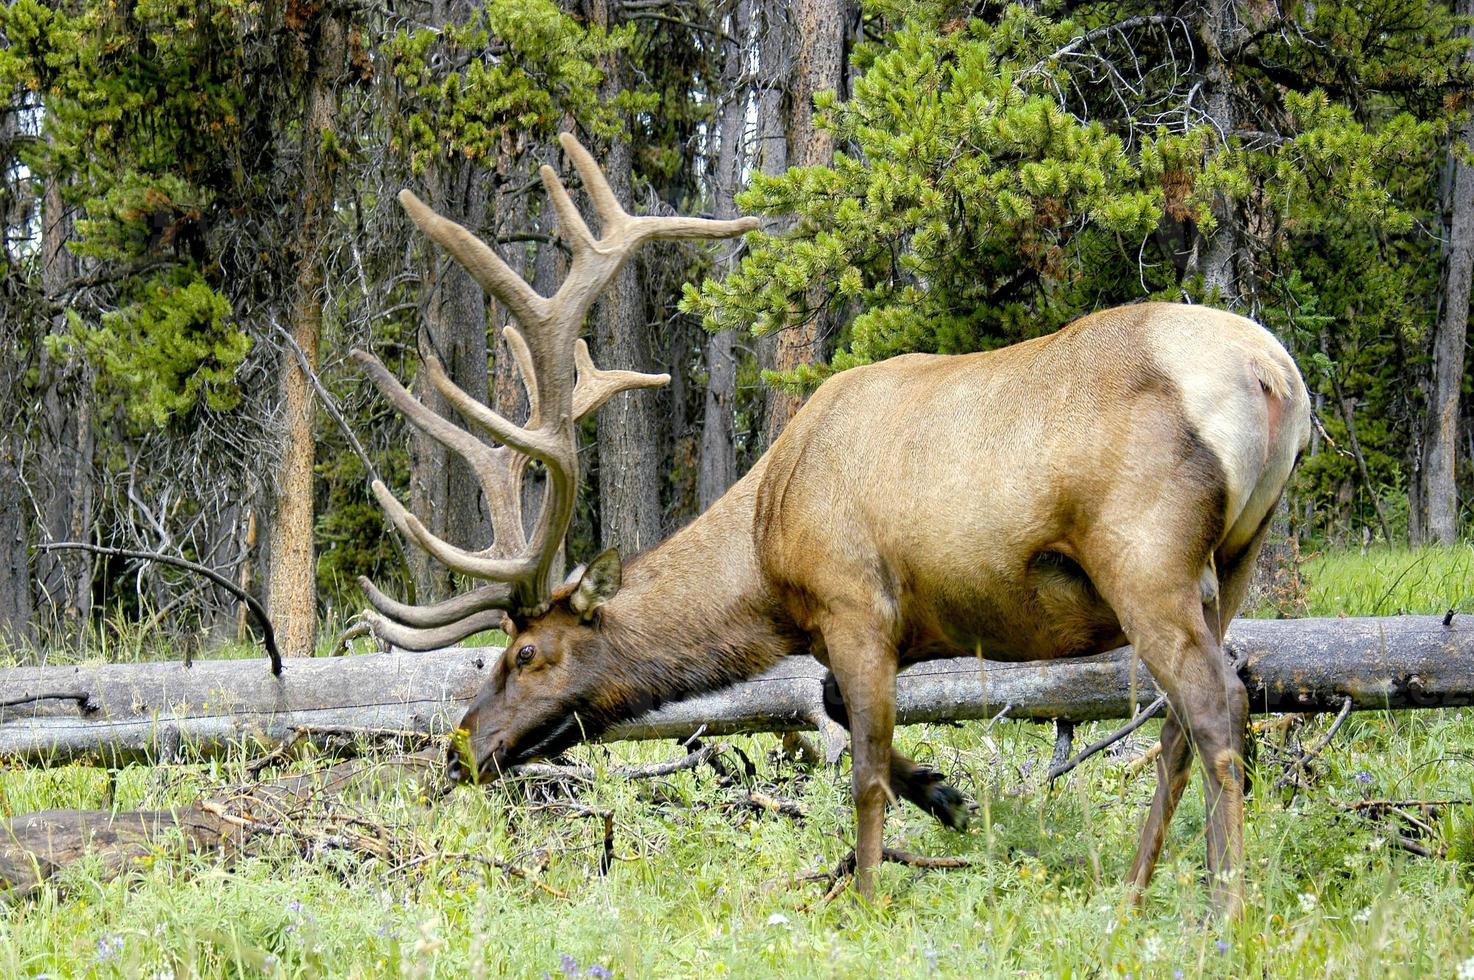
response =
{"points": [[1109, 482]]}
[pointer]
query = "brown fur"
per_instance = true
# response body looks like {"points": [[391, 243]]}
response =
{"points": [[1051, 499]]}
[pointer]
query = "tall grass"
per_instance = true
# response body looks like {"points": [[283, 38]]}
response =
{"points": [[705, 886], [1384, 581]]}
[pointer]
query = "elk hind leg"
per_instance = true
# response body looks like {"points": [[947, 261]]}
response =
{"points": [[1173, 763], [921, 785], [1209, 702]]}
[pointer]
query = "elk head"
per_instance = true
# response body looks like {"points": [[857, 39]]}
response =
{"points": [[531, 704], [547, 691]]}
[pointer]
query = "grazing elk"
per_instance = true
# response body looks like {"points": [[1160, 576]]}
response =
{"points": [[1110, 482]]}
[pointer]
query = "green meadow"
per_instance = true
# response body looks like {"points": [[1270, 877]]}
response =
{"points": [[703, 884]]}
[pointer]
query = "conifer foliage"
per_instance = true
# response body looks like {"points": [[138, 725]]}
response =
{"points": [[183, 183]]}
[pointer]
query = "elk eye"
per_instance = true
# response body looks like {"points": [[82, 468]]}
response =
{"points": [[525, 655]]}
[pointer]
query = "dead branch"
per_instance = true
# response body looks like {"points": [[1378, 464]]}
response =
{"points": [[1145, 715], [258, 612], [1296, 767], [837, 877], [652, 770], [84, 701], [757, 800]]}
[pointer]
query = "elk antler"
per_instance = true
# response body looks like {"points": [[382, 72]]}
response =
{"points": [[563, 386]]}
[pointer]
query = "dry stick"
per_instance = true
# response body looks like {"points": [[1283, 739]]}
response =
{"points": [[299, 732], [841, 873], [1258, 728], [1064, 736], [762, 801], [84, 701], [1397, 804], [1296, 767], [510, 869], [651, 770], [1413, 847], [268, 635], [1099, 745]]}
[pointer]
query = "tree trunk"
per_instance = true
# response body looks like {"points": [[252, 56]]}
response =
{"points": [[443, 489], [818, 67], [1217, 252], [149, 711], [292, 597], [16, 608], [774, 37], [62, 468], [628, 438], [718, 436], [1436, 490]]}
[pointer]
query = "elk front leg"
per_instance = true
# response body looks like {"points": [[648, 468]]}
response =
{"points": [[865, 667], [922, 785]]}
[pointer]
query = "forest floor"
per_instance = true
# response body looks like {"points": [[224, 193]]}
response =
{"points": [[703, 883]]}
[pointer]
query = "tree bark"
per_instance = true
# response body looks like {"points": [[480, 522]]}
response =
{"points": [[1217, 252], [1437, 498], [16, 608], [630, 515], [773, 35], [718, 435], [443, 489], [149, 711], [62, 468], [292, 596], [819, 27]]}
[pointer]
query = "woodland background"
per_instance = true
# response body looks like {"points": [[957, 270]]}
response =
{"points": [[198, 200]]}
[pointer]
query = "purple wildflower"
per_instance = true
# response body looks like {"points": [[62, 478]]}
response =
{"points": [[1221, 946], [602, 972], [294, 906], [1364, 777], [1177, 973], [108, 947], [568, 964]]}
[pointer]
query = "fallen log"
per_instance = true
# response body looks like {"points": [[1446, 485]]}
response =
{"points": [[112, 714], [35, 846]]}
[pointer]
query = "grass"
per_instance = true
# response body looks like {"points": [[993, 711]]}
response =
{"points": [[705, 887], [1385, 581]]}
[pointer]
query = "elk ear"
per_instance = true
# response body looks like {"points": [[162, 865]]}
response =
{"points": [[597, 584]]}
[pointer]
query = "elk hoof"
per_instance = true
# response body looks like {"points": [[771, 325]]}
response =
{"points": [[926, 789]]}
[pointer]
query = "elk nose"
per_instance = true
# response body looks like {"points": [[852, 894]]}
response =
{"points": [[455, 768]]}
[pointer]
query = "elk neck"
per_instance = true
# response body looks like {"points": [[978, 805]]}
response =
{"points": [[694, 614]]}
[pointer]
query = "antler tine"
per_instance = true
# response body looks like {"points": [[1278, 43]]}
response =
{"points": [[479, 259], [517, 344], [498, 569], [534, 442], [444, 613], [493, 470], [563, 385], [595, 387], [432, 638], [570, 222], [596, 185]]}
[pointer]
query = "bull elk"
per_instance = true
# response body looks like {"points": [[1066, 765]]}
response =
{"points": [[1108, 483]]}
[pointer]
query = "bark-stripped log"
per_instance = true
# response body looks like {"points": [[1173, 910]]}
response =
{"points": [[148, 712]]}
